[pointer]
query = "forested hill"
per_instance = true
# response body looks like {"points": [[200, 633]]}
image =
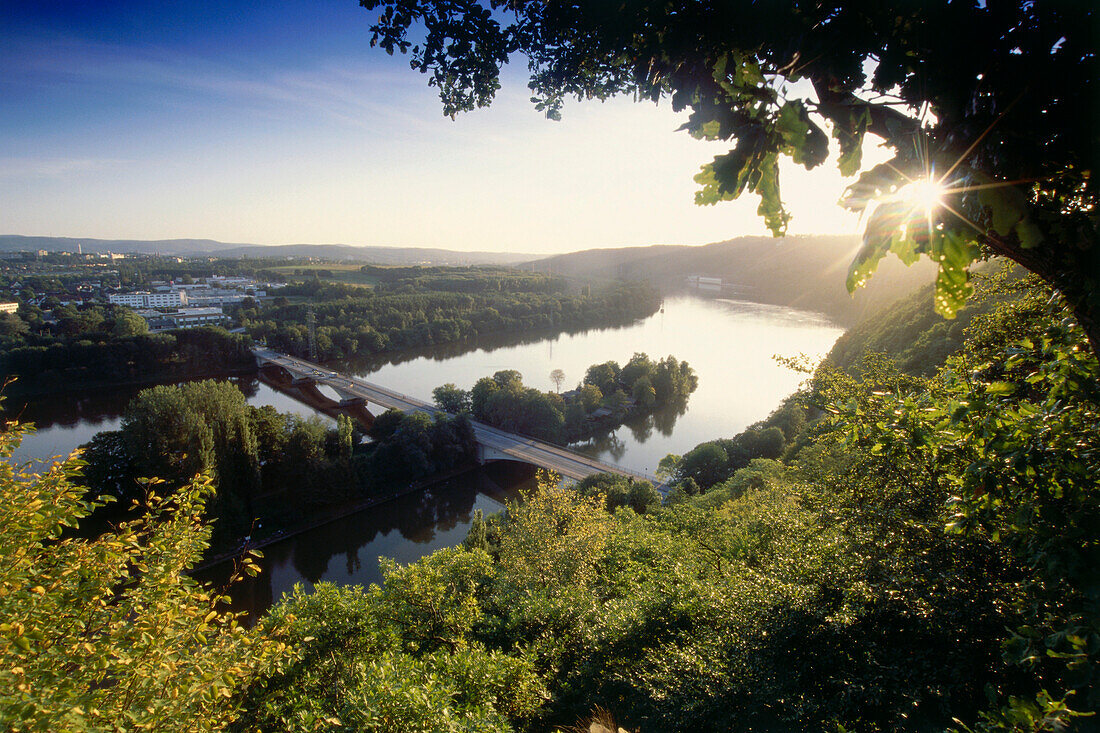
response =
{"points": [[803, 272], [200, 247], [910, 332]]}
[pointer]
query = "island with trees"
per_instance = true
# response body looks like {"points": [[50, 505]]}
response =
{"points": [[608, 395]]}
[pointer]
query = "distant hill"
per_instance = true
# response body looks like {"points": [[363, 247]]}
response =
{"points": [[199, 247], [806, 272]]}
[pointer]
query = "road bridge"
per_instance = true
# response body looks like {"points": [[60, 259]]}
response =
{"points": [[300, 379]]}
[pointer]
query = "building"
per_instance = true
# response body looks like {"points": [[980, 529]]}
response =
{"points": [[712, 284], [145, 299], [184, 318], [215, 298], [9, 307]]}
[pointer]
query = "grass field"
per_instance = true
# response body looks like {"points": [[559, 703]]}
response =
{"points": [[331, 272]]}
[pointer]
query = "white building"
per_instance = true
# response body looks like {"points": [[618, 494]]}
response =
{"points": [[145, 299], [9, 307]]}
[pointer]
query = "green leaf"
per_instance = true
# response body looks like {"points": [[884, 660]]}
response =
{"points": [[849, 134], [1006, 206], [883, 234], [803, 140], [771, 204], [1029, 234], [726, 176], [955, 253]]}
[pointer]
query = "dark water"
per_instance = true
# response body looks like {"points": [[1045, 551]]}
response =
{"points": [[730, 344], [347, 550]]}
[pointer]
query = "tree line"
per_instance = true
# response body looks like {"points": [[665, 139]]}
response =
{"points": [[79, 347], [356, 322], [475, 279]]}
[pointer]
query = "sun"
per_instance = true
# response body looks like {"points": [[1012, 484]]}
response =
{"points": [[923, 194]]}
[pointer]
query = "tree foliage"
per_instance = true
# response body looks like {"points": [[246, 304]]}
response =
{"points": [[110, 348], [427, 311], [273, 469], [958, 91], [109, 633]]}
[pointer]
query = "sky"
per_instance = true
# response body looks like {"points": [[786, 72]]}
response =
{"points": [[275, 123]]}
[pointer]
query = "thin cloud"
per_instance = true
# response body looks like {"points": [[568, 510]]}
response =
{"points": [[350, 96], [55, 168]]}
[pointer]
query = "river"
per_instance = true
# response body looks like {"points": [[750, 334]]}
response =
{"points": [[730, 344]]}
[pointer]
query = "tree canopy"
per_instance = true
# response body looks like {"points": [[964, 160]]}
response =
{"points": [[990, 109]]}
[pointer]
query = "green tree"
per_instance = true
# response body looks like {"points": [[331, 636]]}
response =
{"points": [[957, 90], [707, 464], [477, 538], [1010, 440], [12, 327], [590, 397], [549, 553], [639, 366], [109, 633], [345, 430], [483, 389], [127, 323], [643, 392], [386, 424], [604, 377], [642, 496], [370, 661], [178, 431], [451, 399], [508, 379]]}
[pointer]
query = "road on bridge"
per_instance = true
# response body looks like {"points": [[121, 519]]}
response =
{"points": [[554, 458]]}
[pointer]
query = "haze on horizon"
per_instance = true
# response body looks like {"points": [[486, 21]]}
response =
{"points": [[278, 124]]}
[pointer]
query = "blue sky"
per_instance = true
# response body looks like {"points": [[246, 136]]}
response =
{"points": [[275, 122]]}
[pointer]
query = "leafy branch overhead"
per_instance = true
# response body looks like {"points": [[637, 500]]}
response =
{"points": [[995, 102]]}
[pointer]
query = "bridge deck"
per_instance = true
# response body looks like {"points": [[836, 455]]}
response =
{"points": [[518, 447]]}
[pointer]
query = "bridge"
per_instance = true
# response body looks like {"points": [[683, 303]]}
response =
{"points": [[301, 378]]}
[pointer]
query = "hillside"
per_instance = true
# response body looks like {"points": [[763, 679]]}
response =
{"points": [[198, 247], [759, 269], [918, 339]]}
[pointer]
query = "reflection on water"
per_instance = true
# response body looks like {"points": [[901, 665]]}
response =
{"points": [[445, 352], [346, 551], [729, 343]]}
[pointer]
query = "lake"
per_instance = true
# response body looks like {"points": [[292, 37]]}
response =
{"points": [[730, 344]]}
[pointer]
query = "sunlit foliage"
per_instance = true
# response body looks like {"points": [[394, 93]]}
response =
{"points": [[109, 633]]}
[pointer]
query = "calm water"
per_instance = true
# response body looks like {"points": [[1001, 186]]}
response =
{"points": [[730, 344]]}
